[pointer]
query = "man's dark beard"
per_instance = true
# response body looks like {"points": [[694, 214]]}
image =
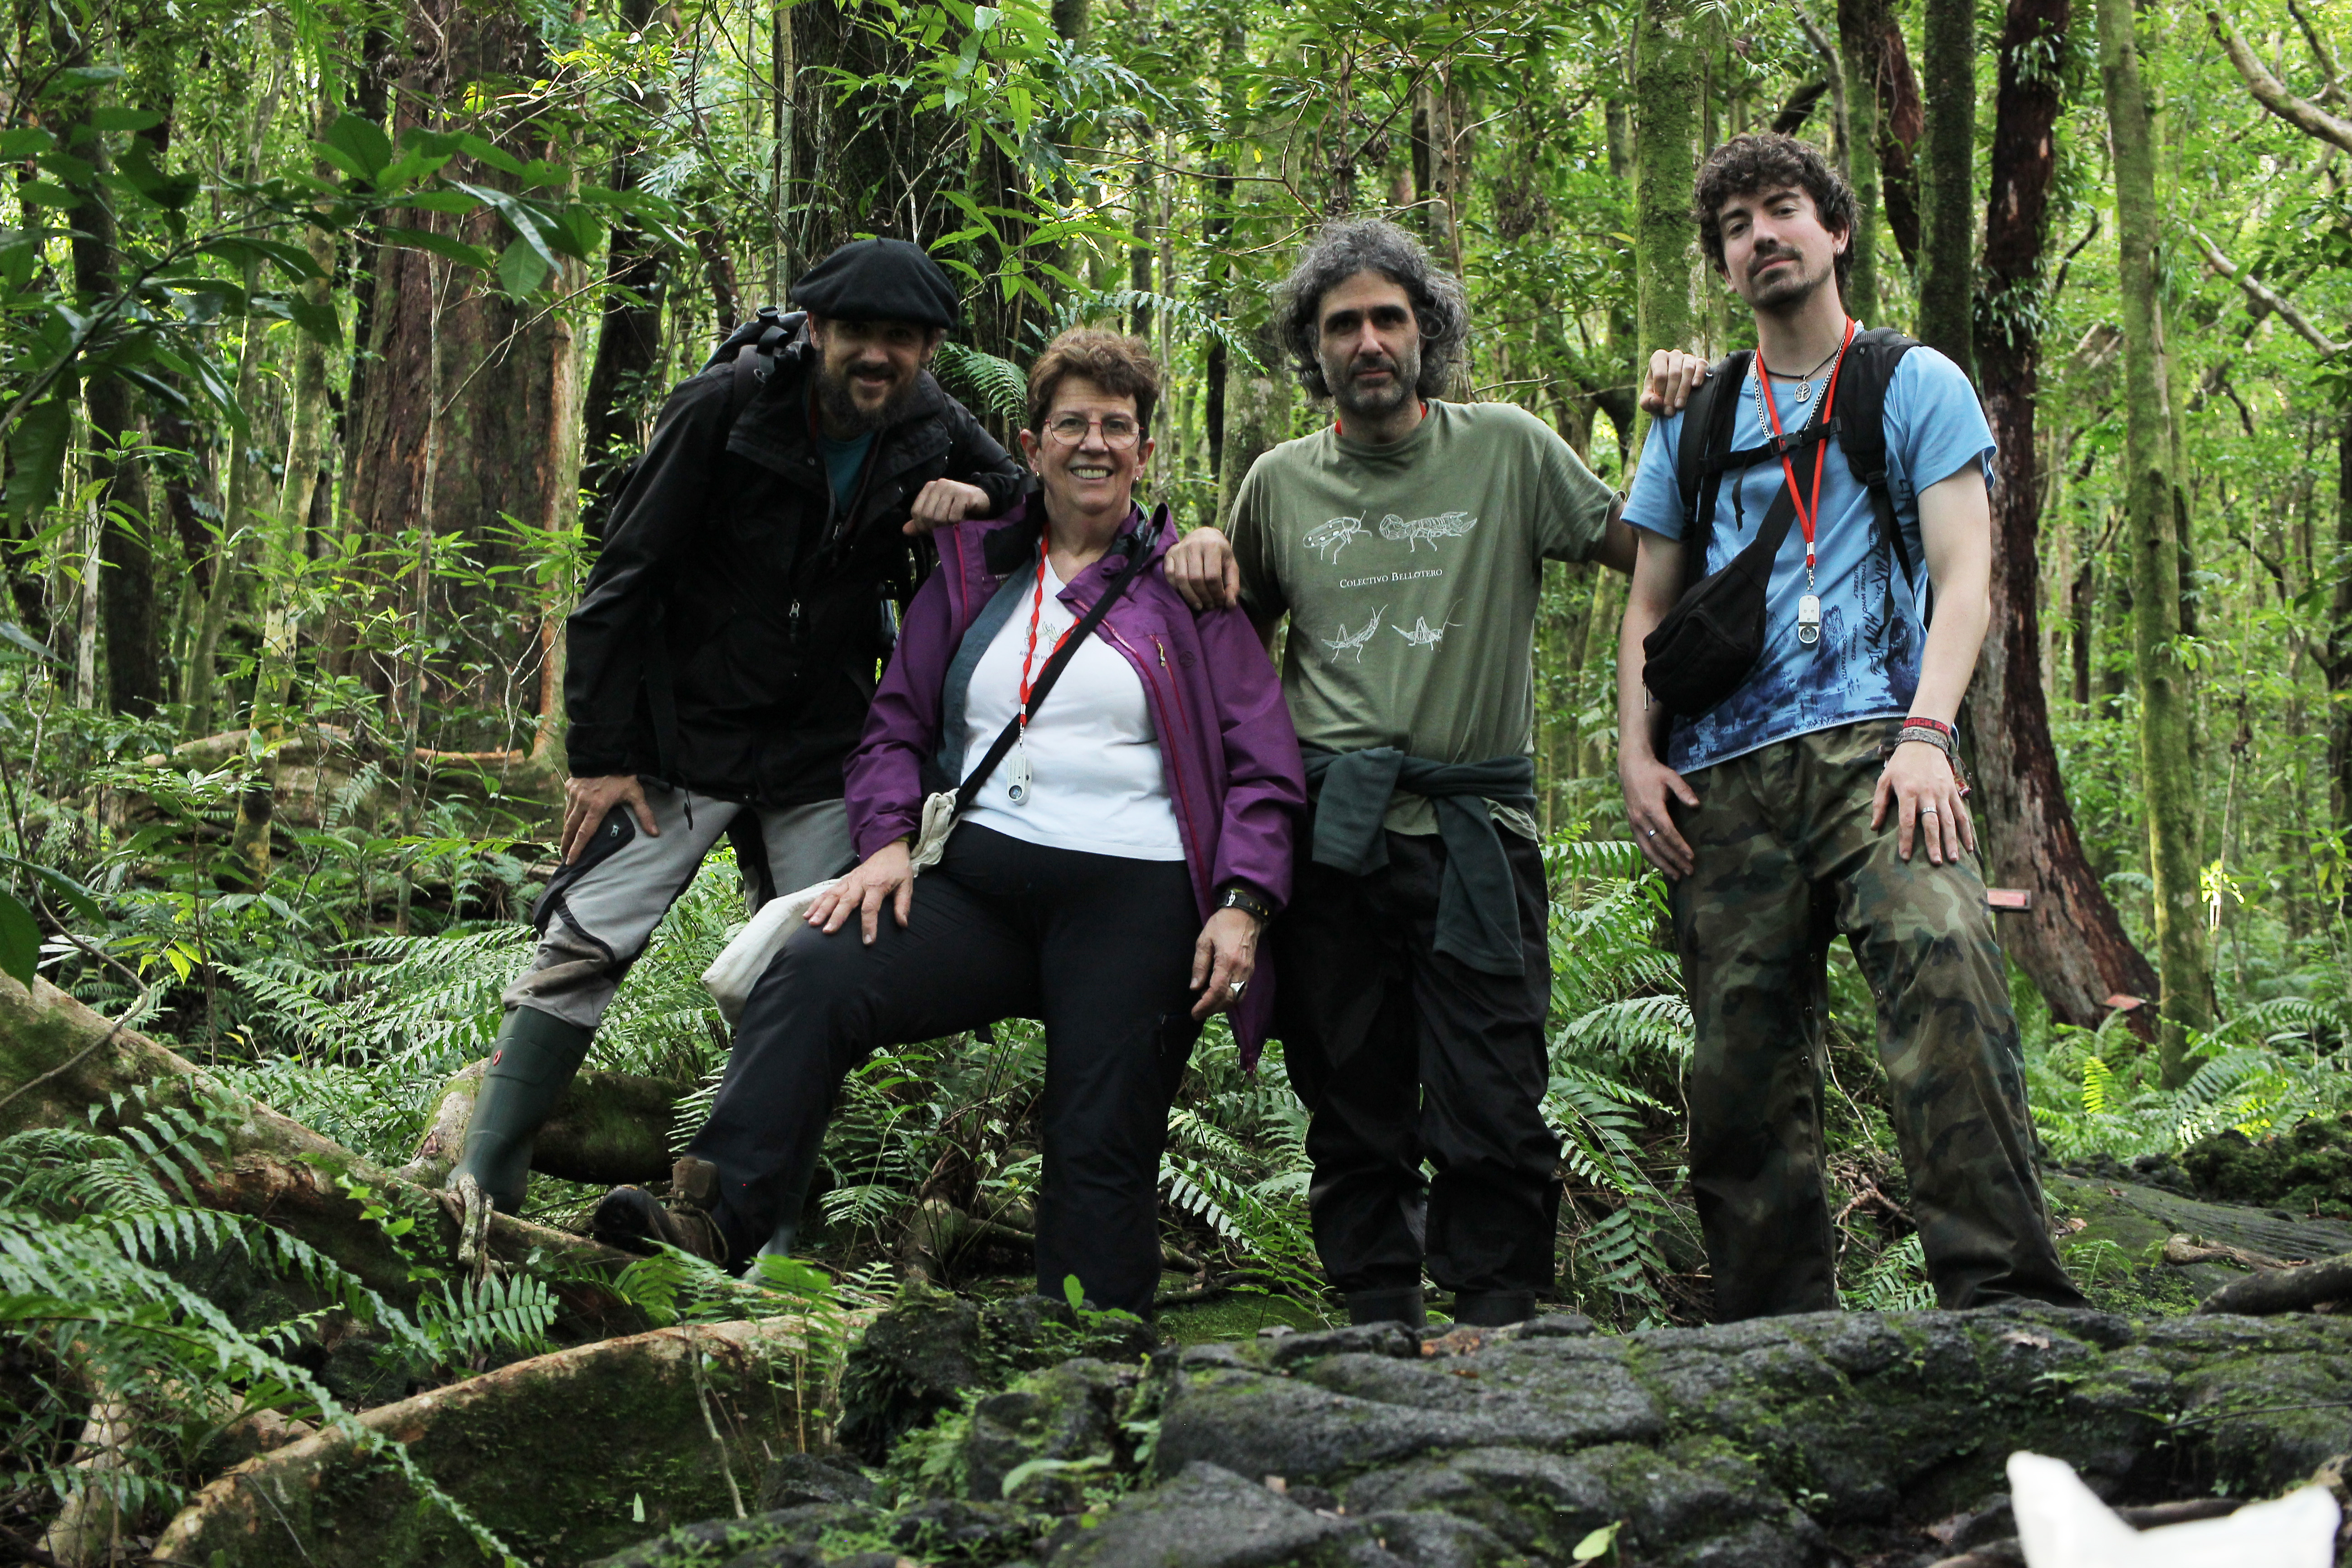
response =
{"points": [[840, 409], [1350, 400], [1785, 294]]}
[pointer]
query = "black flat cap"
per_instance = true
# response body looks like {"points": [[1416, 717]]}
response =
{"points": [[878, 280]]}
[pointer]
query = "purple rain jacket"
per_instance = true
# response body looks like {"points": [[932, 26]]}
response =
{"points": [[1225, 740]]}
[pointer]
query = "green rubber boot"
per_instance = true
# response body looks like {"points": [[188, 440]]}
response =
{"points": [[531, 1063]]}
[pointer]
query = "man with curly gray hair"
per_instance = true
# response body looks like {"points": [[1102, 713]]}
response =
{"points": [[1406, 545]]}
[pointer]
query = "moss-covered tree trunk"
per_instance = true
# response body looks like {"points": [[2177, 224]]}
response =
{"points": [[1859, 23], [2071, 942], [1665, 92], [2166, 714], [1947, 234], [306, 443], [134, 666]]}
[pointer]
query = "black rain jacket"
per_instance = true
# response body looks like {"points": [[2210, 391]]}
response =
{"points": [[733, 593]]}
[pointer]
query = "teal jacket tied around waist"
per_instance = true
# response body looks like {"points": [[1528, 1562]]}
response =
{"points": [[1477, 908]]}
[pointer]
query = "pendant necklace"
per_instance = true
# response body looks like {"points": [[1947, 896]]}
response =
{"points": [[1809, 606]]}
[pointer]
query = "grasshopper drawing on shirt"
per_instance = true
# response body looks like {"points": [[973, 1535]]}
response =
{"points": [[1354, 642], [1423, 634]]}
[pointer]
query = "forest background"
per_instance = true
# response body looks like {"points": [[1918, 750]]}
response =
{"points": [[323, 331]]}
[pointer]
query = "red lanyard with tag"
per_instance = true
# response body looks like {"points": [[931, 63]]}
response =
{"points": [[1808, 510], [1018, 791]]}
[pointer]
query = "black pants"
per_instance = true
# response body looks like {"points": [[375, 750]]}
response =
{"points": [[1098, 947], [1403, 1053]]}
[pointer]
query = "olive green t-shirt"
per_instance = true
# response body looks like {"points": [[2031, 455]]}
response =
{"points": [[1411, 574]]}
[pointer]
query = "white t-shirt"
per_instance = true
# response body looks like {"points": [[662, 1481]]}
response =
{"points": [[1096, 780]]}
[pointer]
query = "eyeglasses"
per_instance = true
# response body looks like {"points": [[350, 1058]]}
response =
{"points": [[1118, 431]]}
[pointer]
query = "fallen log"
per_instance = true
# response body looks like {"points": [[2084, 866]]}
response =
{"points": [[57, 1060], [564, 1456], [609, 1128], [2284, 1289]]}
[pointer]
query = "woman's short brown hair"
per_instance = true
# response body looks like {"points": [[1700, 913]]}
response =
{"points": [[1122, 366]]}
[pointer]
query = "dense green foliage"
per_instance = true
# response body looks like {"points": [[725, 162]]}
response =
{"points": [[208, 197]]}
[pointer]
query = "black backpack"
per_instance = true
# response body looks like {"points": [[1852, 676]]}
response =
{"points": [[1707, 645], [751, 348]]}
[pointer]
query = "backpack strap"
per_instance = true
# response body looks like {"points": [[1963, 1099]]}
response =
{"points": [[1698, 456], [1861, 430]]}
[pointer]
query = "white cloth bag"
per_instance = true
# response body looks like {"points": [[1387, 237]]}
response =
{"points": [[738, 968]]}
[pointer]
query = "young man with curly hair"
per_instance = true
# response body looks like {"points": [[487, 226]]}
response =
{"points": [[1820, 796], [1406, 544]]}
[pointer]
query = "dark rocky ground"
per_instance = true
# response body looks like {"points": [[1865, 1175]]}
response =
{"points": [[1856, 1438]]}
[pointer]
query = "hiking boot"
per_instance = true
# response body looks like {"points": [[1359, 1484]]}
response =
{"points": [[632, 1219], [1398, 1304]]}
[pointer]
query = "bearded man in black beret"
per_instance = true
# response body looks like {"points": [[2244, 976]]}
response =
{"points": [[723, 653]]}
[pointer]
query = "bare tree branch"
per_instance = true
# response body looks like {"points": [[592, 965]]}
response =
{"points": [[2268, 297], [2272, 93]]}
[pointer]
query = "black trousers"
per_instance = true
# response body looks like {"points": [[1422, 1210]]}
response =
{"points": [[1402, 1054], [1097, 946]]}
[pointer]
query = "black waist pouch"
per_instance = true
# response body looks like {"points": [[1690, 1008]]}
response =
{"points": [[1709, 642]]}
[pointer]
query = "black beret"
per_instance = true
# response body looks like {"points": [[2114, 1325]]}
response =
{"points": [[878, 280]]}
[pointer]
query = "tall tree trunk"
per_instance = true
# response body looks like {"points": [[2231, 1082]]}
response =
{"points": [[201, 683], [370, 99], [1665, 162], [306, 441], [2337, 658], [502, 406], [2165, 707], [2071, 942], [1948, 237], [134, 664], [1143, 206], [1860, 22], [629, 347], [1257, 417], [1877, 39], [867, 166]]}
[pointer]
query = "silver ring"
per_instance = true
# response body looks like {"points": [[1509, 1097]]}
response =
{"points": [[1652, 832], [1929, 811], [1234, 988]]}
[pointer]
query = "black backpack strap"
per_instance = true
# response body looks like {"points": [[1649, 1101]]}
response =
{"points": [[1707, 420], [1862, 429]]}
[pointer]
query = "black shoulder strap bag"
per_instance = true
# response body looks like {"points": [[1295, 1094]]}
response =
{"points": [[1707, 645]]}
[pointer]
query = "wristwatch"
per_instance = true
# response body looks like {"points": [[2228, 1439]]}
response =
{"points": [[1234, 896]]}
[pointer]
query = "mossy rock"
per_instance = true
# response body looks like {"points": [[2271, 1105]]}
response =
{"points": [[930, 1349], [2306, 1170]]}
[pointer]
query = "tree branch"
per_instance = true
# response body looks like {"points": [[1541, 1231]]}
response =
{"points": [[2272, 93], [2268, 297]]}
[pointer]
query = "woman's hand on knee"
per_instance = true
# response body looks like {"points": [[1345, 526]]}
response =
{"points": [[1223, 960], [887, 875]]}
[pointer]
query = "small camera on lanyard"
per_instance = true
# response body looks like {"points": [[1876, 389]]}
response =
{"points": [[1809, 619]]}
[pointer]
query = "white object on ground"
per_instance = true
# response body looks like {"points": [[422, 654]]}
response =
{"points": [[739, 966], [2061, 1524]]}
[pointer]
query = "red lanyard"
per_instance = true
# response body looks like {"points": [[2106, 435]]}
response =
{"points": [[1807, 510], [1037, 604]]}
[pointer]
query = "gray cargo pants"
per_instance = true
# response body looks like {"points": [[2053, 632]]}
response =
{"points": [[599, 911]]}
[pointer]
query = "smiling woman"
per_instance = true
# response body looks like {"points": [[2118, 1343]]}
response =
{"points": [[1110, 875]]}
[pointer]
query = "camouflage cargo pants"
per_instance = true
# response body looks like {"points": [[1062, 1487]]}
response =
{"points": [[1787, 860]]}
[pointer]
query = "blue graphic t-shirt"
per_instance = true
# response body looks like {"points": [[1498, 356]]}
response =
{"points": [[1866, 665]]}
